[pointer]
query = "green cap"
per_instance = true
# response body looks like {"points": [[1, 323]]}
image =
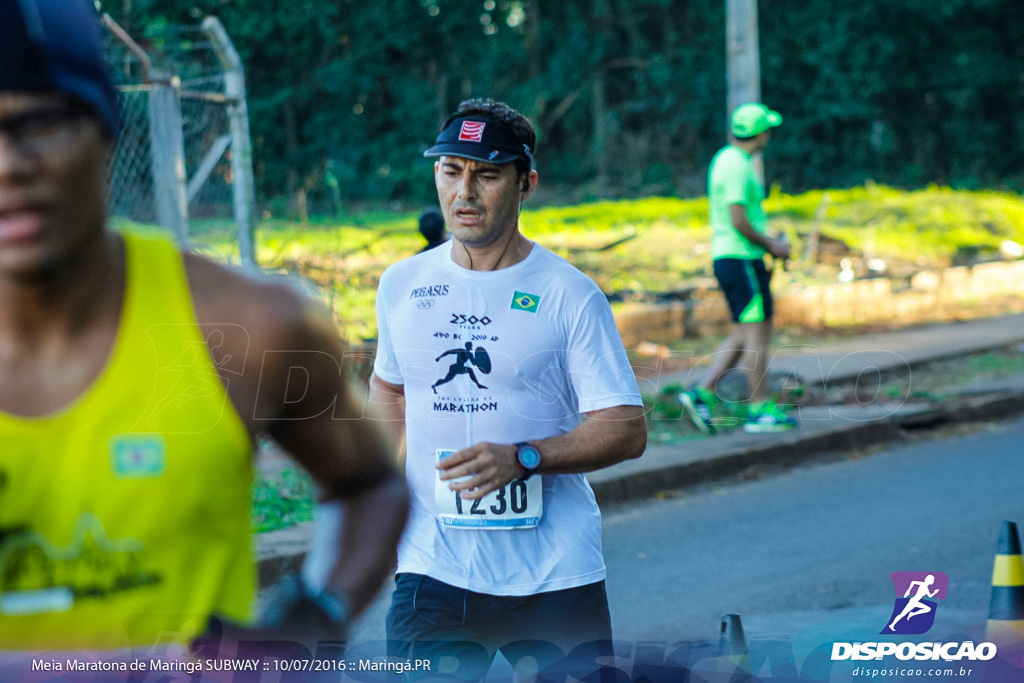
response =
{"points": [[753, 119]]}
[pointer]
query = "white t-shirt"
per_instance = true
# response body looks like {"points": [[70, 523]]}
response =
{"points": [[506, 356]]}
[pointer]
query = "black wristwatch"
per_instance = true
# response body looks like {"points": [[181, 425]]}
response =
{"points": [[529, 459]]}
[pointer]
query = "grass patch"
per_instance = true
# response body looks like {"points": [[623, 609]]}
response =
{"points": [[936, 380], [635, 248], [930, 382]]}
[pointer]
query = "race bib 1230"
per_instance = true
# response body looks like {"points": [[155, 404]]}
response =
{"points": [[517, 505]]}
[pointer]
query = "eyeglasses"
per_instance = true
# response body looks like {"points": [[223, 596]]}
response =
{"points": [[42, 131]]}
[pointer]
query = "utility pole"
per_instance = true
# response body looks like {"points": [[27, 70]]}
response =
{"points": [[742, 59]]}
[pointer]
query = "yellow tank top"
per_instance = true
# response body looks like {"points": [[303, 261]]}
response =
{"points": [[124, 518]]}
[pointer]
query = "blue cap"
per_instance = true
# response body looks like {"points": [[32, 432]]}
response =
{"points": [[56, 46]]}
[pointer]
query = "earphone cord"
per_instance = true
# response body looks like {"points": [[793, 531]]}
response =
{"points": [[507, 242], [511, 235]]}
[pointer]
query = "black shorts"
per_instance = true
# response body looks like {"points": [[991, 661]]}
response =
{"points": [[745, 285], [561, 630]]}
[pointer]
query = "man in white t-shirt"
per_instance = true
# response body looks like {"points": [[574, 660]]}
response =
{"points": [[504, 366]]}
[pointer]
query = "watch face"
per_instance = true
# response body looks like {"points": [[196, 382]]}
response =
{"points": [[529, 457]]}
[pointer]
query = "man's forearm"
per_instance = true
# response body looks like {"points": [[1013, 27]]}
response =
{"points": [[604, 438], [746, 229], [372, 525]]}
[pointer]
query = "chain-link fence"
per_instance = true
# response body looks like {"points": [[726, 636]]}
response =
{"points": [[130, 187], [183, 158]]}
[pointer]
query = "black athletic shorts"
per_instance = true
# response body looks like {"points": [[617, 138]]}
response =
{"points": [[566, 630], [745, 285]]}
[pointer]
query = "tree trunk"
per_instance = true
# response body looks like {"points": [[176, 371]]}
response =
{"points": [[297, 202], [599, 143]]}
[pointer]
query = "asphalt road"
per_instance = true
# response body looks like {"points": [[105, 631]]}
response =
{"points": [[807, 554], [804, 556]]}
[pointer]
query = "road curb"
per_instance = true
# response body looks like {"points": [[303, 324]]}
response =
{"points": [[795, 448]]}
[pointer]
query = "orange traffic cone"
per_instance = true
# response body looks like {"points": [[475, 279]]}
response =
{"points": [[1005, 626]]}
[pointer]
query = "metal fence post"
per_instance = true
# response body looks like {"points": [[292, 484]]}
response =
{"points": [[168, 155], [243, 185]]}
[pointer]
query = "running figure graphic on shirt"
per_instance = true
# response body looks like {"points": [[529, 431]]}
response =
{"points": [[914, 606], [480, 358]]}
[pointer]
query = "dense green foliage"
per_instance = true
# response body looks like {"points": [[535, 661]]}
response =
{"points": [[628, 95], [638, 249]]}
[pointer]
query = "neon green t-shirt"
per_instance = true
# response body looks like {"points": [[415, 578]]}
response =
{"points": [[733, 180]]}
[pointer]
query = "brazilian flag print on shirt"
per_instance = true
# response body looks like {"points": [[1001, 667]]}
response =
{"points": [[521, 301]]}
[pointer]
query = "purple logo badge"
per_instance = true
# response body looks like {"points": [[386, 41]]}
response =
{"points": [[914, 611]]}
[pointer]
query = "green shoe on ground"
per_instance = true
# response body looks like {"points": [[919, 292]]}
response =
{"points": [[698, 404], [766, 418]]}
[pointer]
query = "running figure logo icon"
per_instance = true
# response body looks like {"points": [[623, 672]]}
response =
{"points": [[914, 613], [463, 359]]}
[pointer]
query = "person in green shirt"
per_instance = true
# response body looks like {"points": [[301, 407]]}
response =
{"points": [[739, 241]]}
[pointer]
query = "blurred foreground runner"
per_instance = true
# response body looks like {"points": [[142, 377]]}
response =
{"points": [[134, 380]]}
